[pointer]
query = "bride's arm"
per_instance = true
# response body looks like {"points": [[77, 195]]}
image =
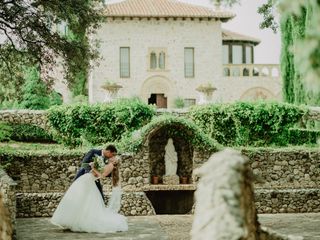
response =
{"points": [[107, 169], [95, 172]]}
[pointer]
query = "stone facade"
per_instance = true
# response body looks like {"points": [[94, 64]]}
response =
{"points": [[7, 199], [145, 35]]}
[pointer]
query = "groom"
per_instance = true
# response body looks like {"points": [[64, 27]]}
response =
{"points": [[109, 152]]}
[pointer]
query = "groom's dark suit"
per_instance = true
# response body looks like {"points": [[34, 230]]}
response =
{"points": [[87, 159]]}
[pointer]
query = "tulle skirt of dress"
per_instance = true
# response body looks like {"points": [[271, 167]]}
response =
{"points": [[83, 210]]}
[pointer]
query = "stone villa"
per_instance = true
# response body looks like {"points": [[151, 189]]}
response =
{"points": [[164, 50]]}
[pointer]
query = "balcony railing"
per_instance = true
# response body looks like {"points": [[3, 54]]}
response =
{"points": [[251, 70]]}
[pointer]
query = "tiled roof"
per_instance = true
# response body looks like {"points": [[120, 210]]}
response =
{"points": [[232, 36], [162, 8]]}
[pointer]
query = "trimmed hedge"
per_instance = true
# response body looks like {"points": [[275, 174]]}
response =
{"points": [[303, 136], [24, 133], [78, 124], [244, 124], [30, 133]]}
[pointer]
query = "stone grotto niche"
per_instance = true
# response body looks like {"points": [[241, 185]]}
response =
{"points": [[158, 141]]}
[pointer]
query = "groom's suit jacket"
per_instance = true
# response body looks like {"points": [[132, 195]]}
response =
{"points": [[87, 159]]}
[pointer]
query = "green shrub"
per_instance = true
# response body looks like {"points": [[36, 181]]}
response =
{"points": [[175, 127], [35, 93], [13, 104], [5, 132], [74, 124], [243, 124], [30, 133], [303, 136], [80, 99], [24, 133], [179, 103], [55, 98]]}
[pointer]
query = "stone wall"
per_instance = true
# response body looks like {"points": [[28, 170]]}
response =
{"points": [[50, 173], [42, 172], [8, 195], [44, 204], [280, 168], [314, 113], [285, 168], [34, 117], [287, 200]]}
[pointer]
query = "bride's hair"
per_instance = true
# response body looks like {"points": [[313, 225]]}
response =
{"points": [[115, 174]]}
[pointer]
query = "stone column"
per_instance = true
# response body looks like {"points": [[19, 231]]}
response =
{"points": [[225, 207]]}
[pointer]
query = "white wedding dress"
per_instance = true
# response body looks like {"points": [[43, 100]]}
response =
{"points": [[82, 209]]}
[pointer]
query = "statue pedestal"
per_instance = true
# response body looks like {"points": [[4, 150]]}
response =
{"points": [[170, 180]]}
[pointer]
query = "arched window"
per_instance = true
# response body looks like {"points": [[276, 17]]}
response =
{"points": [[162, 60], [153, 60]]}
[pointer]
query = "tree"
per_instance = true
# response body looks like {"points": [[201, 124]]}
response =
{"points": [[300, 57], [11, 78], [267, 11], [35, 92], [29, 29]]}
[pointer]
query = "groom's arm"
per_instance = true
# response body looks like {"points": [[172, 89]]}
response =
{"points": [[88, 157]]}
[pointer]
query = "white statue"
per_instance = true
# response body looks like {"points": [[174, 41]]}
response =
{"points": [[171, 159]]}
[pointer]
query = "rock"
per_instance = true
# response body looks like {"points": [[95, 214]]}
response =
{"points": [[44, 176]]}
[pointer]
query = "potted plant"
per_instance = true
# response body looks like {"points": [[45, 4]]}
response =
{"points": [[184, 180], [155, 180]]}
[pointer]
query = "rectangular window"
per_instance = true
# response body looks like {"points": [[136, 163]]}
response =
{"points": [[248, 55], [237, 54], [225, 54], [189, 62], [188, 102], [124, 62]]}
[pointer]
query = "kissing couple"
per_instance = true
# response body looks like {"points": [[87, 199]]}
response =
{"points": [[82, 208]]}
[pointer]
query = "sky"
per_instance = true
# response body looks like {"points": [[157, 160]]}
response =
{"points": [[247, 22]]}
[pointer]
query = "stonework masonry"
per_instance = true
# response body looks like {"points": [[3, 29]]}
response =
{"points": [[47, 176], [34, 117], [285, 180], [8, 195], [142, 36]]}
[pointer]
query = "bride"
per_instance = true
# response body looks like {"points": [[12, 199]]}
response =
{"points": [[83, 210]]}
